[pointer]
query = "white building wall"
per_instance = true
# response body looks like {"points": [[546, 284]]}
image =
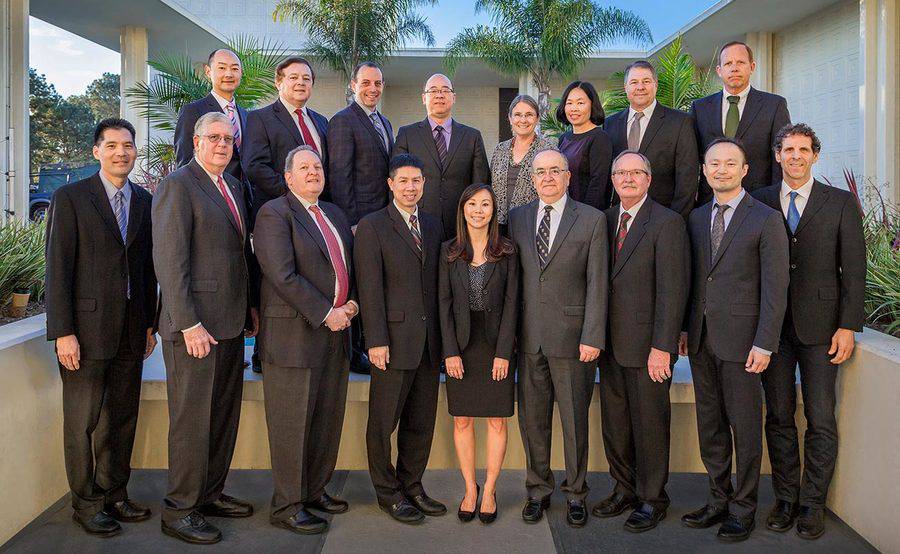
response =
{"points": [[243, 17], [817, 70]]}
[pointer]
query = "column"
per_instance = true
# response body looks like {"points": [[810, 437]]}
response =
{"points": [[761, 44], [134, 51], [14, 149]]}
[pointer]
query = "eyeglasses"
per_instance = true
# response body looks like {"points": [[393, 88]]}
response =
{"points": [[216, 139], [553, 172], [442, 91], [633, 173]]}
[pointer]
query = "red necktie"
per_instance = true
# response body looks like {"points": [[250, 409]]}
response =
{"points": [[623, 231], [307, 136], [234, 213], [334, 252]]}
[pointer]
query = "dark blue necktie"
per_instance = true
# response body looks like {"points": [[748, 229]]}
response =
{"points": [[793, 215]]}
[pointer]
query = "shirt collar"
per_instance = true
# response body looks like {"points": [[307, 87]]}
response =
{"points": [[446, 125], [213, 177], [222, 101], [633, 211], [405, 213], [306, 204], [733, 203], [648, 111], [558, 206], [365, 108], [290, 108], [111, 189], [742, 95], [802, 191]]}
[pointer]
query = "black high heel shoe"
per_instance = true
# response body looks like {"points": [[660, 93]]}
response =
{"points": [[485, 517], [465, 516]]}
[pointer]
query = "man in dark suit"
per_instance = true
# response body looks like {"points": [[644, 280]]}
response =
{"points": [[207, 278], [396, 257], [278, 128], [102, 322], [825, 307], [648, 291], [360, 139], [739, 254], [665, 136], [563, 253], [304, 337], [453, 153], [744, 113]]}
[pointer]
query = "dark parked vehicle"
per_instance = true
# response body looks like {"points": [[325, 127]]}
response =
{"points": [[50, 178]]}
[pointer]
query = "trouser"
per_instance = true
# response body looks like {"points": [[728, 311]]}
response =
{"points": [[304, 417], [729, 408], [100, 411], [820, 443], [635, 416], [204, 412], [571, 383], [405, 400]]}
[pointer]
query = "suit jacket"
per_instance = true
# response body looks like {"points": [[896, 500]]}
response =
{"points": [[501, 299], [764, 115], [358, 162], [89, 269], [828, 263], [297, 288], [466, 165], [671, 146], [207, 272], [398, 286], [740, 295], [649, 282], [564, 304], [271, 134]]}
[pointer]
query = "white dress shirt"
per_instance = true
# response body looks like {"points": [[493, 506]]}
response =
{"points": [[741, 103], [223, 103], [306, 206], [406, 215], [306, 118], [633, 211], [555, 217], [801, 200], [645, 121]]}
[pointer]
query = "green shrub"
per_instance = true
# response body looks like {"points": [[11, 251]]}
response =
{"points": [[882, 230], [22, 266]]}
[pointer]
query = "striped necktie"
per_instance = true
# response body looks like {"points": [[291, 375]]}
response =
{"points": [[235, 126], [122, 221], [414, 228], [542, 239], [441, 144]]}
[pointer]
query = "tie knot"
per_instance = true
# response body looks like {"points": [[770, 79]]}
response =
{"points": [[626, 216], [413, 219], [548, 208], [299, 112], [439, 130], [722, 208], [121, 195], [230, 106], [794, 194], [314, 209], [638, 116], [734, 99]]}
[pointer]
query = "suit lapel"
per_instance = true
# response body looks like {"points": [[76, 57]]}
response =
{"points": [[706, 231], [368, 126], [818, 197], [287, 120], [618, 132], [751, 109], [428, 139], [403, 230], [211, 190], [344, 234], [739, 215], [318, 123], [135, 214], [714, 106], [635, 234], [305, 220], [488, 272], [531, 213], [456, 136], [461, 270], [653, 127], [565, 225], [101, 203]]}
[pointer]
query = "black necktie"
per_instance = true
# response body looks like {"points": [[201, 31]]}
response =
{"points": [[440, 144], [542, 239]]}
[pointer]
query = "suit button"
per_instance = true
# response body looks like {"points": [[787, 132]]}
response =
{"points": [[793, 266], [423, 318], [794, 239], [709, 279], [542, 279], [124, 275], [488, 309], [611, 290]]}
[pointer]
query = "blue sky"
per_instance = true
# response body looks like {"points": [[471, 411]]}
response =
{"points": [[71, 62]]}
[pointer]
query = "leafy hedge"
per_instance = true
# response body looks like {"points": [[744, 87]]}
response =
{"points": [[22, 264]]}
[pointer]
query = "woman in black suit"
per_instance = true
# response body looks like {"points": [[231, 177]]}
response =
{"points": [[479, 281]]}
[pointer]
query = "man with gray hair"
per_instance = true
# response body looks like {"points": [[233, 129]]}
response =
{"points": [[648, 290], [304, 339], [452, 153], [563, 253], [207, 277]]}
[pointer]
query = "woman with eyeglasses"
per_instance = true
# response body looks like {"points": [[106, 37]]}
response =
{"points": [[478, 293], [511, 160], [586, 146]]}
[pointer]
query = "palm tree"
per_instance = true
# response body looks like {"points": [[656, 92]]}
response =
{"points": [[342, 33], [680, 81], [543, 38], [178, 82]]}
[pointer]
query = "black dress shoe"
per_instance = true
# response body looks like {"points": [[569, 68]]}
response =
{"points": [[227, 506], [644, 518], [534, 509], [427, 505], [193, 528], [127, 511], [615, 504], [736, 529], [811, 523], [361, 365], [404, 512], [329, 504], [100, 524], [465, 516], [489, 517], [704, 518], [782, 516], [303, 523], [576, 513]]}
